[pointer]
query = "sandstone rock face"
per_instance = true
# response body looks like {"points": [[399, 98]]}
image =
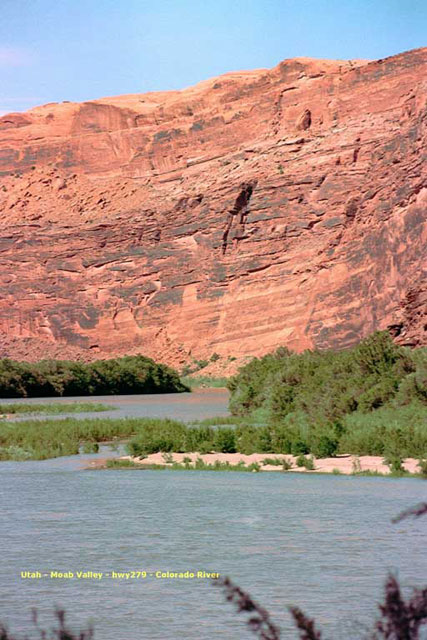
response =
{"points": [[257, 209]]}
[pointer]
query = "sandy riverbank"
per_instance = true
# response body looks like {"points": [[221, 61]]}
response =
{"points": [[345, 464]]}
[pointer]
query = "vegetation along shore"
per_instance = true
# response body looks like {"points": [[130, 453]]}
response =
{"points": [[131, 374], [368, 400], [340, 465], [353, 411], [12, 409]]}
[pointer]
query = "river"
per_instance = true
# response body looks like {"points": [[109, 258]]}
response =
{"points": [[324, 543]]}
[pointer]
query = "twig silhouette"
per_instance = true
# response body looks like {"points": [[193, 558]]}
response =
{"points": [[400, 620], [305, 625], [259, 619]]}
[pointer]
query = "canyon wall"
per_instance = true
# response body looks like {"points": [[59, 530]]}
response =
{"points": [[257, 209]]}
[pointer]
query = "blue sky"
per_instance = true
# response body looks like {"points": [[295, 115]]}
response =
{"points": [[54, 50]]}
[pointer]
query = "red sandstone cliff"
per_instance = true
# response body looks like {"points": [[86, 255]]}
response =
{"points": [[257, 209]]}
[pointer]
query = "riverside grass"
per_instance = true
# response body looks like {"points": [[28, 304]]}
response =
{"points": [[41, 439], [199, 465], [54, 408]]}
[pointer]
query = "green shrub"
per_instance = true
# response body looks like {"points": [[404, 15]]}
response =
{"points": [[264, 439], [286, 465], [14, 453], [392, 430], [299, 448], [325, 447], [120, 463], [377, 395], [246, 439], [90, 447], [206, 446], [422, 464], [366, 400], [308, 463], [198, 438], [276, 462], [225, 440], [395, 464]]}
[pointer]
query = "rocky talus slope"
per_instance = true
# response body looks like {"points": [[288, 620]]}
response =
{"points": [[256, 209]]}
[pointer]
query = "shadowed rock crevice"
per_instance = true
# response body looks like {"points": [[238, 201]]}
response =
{"points": [[239, 212], [304, 121]]}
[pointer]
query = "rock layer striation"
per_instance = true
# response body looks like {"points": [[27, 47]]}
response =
{"points": [[257, 209]]}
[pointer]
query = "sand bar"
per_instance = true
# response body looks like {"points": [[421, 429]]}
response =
{"points": [[346, 464]]}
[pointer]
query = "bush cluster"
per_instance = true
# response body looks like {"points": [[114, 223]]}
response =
{"points": [[131, 374], [371, 399]]}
